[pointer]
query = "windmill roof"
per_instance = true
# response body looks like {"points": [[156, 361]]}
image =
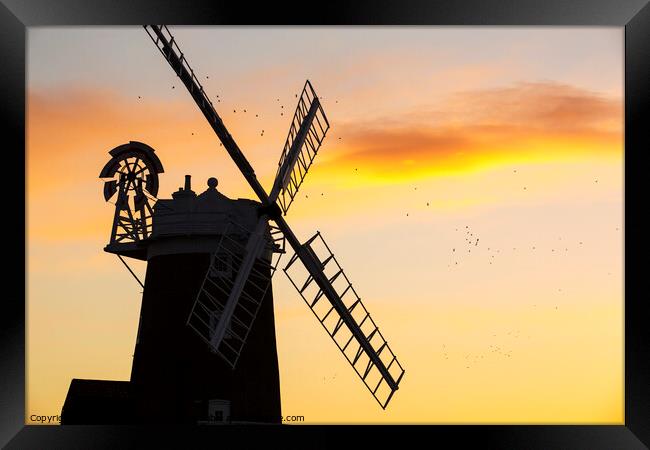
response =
{"points": [[205, 214]]}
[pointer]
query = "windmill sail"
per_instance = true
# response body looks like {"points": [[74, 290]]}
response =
{"points": [[306, 134], [164, 41], [233, 289], [351, 328]]}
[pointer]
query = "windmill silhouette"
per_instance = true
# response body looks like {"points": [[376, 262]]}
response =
{"points": [[210, 261]]}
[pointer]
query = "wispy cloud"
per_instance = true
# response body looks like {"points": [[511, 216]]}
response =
{"points": [[547, 106], [526, 121]]}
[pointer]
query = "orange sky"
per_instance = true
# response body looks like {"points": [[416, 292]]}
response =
{"points": [[525, 327]]}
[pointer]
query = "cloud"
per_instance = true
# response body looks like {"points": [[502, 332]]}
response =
{"points": [[526, 121], [70, 130], [542, 105], [69, 133]]}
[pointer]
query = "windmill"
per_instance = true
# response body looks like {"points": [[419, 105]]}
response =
{"points": [[210, 261], [340, 311]]}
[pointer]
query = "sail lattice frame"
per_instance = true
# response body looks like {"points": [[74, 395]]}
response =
{"points": [[219, 279], [337, 329]]}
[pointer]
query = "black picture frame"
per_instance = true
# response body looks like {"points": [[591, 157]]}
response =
{"points": [[634, 15]]}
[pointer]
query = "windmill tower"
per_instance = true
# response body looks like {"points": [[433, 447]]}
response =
{"points": [[197, 245], [206, 350]]}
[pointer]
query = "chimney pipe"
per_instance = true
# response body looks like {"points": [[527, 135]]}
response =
{"points": [[188, 182]]}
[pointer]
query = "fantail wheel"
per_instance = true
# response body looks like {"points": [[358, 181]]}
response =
{"points": [[131, 177]]}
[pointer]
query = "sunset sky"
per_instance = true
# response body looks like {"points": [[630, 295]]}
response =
{"points": [[439, 136]]}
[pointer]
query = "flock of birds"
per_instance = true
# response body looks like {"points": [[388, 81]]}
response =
{"points": [[257, 116], [244, 109], [472, 242], [499, 348]]}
